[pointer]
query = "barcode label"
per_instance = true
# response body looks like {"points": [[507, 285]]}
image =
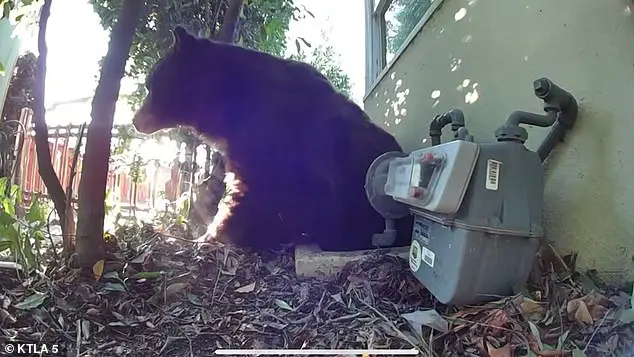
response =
{"points": [[493, 174], [428, 257]]}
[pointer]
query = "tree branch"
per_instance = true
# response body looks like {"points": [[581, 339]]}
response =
{"points": [[230, 22], [45, 166]]}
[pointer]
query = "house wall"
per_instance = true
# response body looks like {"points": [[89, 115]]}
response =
{"points": [[484, 63]]}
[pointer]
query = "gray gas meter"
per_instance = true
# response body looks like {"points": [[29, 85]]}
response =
{"points": [[477, 207]]}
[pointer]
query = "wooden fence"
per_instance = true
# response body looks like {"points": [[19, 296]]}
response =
{"points": [[62, 143]]}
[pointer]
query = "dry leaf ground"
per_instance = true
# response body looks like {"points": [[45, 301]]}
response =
{"points": [[161, 295]]}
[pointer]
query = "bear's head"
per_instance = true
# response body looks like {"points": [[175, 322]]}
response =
{"points": [[184, 85]]}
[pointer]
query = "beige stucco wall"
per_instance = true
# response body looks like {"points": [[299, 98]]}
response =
{"points": [[496, 50]]}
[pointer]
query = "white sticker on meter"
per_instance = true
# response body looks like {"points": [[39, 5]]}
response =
{"points": [[428, 257], [493, 174], [414, 256]]}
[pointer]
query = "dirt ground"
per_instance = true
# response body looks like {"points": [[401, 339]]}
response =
{"points": [[160, 294]]}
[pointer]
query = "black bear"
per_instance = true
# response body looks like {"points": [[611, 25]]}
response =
{"points": [[299, 147]]}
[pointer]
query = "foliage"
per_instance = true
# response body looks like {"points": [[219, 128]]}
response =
{"points": [[18, 11], [174, 213], [407, 13], [325, 60], [137, 169], [21, 236], [263, 26], [21, 87], [19, 95]]}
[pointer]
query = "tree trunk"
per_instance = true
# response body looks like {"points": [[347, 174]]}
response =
{"points": [[230, 22], [94, 177], [45, 166]]}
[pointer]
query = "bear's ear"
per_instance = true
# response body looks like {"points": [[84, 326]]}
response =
{"points": [[180, 38]]}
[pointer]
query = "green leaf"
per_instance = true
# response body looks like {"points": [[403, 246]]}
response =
{"points": [[283, 305], [27, 250], [627, 316], [6, 219], [535, 332], [35, 212], [578, 353], [4, 245], [114, 287], [19, 18], [111, 275], [1, 69], [562, 340], [8, 206], [31, 302], [8, 6], [305, 42], [194, 299], [147, 275], [27, 2], [3, 180]]}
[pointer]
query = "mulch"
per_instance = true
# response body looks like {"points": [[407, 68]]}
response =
{"points": [[161, 294]]}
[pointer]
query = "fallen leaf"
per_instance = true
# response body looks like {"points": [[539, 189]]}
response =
{"points": [[194, 299], [283, 305], [504, 351], [430, 318], [246, 289], [532, 310], [31, 302], [231, 266], [141, 258], [174, 289], [498, 318], [554, 353], [275, 325], [114, 287], [627, 316], [337, 298], [612, 344], [562, 340], [583, 314], [111, 275], [536, 335], [97, 269], [147, 275], [5, 316], [85, 329], [467, 312], [597, 312]]}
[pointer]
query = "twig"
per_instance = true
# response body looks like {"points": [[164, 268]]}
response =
{"points": [[78, 339], [69, 189], [213, 293], [427, 352], [516, 333], [178, 238], [191, 348], [50, 236], [596, 329], [559, 258]]}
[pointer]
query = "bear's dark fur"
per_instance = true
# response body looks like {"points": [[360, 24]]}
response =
{"points": [[301, 148]]}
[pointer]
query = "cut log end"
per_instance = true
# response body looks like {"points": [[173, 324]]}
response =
{"points": [[311, 261]]}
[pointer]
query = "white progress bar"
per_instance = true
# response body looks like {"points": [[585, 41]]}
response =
{"points": [[284, 352]]}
